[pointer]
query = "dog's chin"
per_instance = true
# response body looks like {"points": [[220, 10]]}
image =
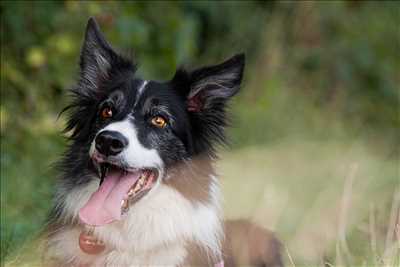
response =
{"points": [[119, 189]]}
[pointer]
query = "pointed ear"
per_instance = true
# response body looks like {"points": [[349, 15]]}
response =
{"points": [[97, 56], [206, 91], [214, 85]]}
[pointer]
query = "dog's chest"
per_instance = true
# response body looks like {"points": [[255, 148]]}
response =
{"points": [[172, 256], [153, 233]]}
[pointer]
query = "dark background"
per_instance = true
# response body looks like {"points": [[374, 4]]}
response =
{"points": [[314, 149]]}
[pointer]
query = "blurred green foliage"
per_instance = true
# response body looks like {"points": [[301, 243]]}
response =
{"points": [[340, 57], [315, 70]]}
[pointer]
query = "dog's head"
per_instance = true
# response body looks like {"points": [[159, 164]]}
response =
{"points": [[130, 131]]}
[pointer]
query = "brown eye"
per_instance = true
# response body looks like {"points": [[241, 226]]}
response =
{"points": [[106, 113], [159, 122]]}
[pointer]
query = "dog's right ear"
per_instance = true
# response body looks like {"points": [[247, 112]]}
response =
{"points": [[97, 57]]}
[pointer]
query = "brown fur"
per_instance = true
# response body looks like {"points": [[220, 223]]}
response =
{"points": [[248, 244], [192, 179], [245, 244], [197, 256]]}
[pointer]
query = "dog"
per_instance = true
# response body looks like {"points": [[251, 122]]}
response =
{"points": [[137, 184]]}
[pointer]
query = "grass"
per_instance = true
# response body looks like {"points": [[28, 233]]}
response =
{"points": [[318, 196]]}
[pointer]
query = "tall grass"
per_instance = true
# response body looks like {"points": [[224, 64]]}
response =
{"points": [[317, 197]]}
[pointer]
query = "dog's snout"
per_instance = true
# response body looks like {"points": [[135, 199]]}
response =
{"points": [[110, 143]]}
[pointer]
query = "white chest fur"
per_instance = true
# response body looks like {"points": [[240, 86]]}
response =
{"points": [[153, 232]]}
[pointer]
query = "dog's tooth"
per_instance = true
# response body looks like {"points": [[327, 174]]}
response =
{"points": [[124, 204], [131, 192], [141, 181], [137, 188]]}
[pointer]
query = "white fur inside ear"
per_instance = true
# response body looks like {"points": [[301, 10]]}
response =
{"points": [[220, 84], [103, 64], [219, 81]]}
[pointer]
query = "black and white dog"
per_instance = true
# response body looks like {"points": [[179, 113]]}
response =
{"points": [[138, 186]]}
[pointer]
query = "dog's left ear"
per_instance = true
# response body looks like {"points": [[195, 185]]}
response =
{"points": [[206, 92], [212, 86]]}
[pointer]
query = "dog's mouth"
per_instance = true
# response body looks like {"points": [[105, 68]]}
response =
{"points": [[119, 189]]}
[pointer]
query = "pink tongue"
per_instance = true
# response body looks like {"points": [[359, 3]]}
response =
{"points": [[104, 206]]}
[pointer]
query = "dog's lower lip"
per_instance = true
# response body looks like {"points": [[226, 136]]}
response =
{"points": [[139, 189]]}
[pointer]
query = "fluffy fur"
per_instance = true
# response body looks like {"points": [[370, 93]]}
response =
{"points": [[150, 235]]}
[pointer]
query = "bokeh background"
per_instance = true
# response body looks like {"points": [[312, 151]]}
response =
{"points": [[314, 152]]}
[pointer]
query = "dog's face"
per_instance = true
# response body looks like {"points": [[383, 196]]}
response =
{"points": [[129, 131]]}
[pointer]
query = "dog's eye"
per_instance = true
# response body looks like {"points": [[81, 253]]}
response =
{"points": [[106, 113], [159, 122]]}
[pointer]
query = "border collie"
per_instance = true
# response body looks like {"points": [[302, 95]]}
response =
{"points": [[138, 187]]}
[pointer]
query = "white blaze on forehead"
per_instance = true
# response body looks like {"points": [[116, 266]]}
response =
{"points": [[140, 91], [135, 155]]}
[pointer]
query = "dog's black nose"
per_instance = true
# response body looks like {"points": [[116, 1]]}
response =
{"points": [[110, 143]]}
